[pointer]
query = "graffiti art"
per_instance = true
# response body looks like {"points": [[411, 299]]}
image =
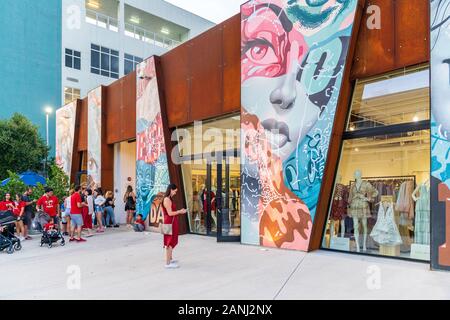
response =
{"points": [[293, 55], [94, 138], [440, 133], [65, 133], [151, 168]]}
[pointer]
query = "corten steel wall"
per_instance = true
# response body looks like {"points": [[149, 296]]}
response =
{"points": [[403, 39], [202, 76], [107, 150], [83, 131], [76, 157], [120, 109]]}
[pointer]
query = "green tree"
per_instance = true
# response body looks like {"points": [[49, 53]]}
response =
{"points": [[58, 181], [21, 146], [14, 186]]}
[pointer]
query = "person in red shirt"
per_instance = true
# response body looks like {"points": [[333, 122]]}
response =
{"points": [[7, 204], [139, 223], [76, 218], [49, 204], [18, 211]]}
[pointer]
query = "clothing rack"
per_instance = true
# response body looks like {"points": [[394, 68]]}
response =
{"points": [[408, 177]]}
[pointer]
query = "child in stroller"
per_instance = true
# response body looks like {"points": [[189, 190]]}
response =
{"points": [[51, 235], [8, 241]]}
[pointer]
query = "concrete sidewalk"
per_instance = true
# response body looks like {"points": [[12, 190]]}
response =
{"points": [[123, 264]]}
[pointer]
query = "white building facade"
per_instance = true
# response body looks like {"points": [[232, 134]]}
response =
{"points": [[103, 40]]}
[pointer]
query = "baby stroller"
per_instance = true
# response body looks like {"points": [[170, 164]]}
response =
{"points": [[8, 241], [52, 236]]}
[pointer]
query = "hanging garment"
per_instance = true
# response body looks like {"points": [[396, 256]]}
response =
{"points": [[359, 206], [422, 219], [404, 201], [385, 231], [339, 205]]}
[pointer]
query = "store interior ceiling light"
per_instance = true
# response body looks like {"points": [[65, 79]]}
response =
{"points": [[93, 4], [416, 118], [165, 31], [135, 19]]}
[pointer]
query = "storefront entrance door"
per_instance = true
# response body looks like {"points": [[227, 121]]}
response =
{"points": [[213, 185], [223, 198]]}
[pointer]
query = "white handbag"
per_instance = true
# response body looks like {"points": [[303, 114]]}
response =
{"points": [[166, 228]]}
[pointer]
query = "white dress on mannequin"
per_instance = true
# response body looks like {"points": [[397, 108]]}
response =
{"points": [[385, 231]]}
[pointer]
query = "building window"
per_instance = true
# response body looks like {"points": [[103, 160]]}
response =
{"points": [[130, 63], [380, 203], [71, 94], [73, 59], [104, 61]]}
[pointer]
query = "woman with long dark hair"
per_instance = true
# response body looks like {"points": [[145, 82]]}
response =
{"points": [[170, 217], [129, 198]]}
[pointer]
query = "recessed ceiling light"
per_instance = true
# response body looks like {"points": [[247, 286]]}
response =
{"points": [[135, 19], [356, 149], [93, 4], [416, 118], [165, 31]]}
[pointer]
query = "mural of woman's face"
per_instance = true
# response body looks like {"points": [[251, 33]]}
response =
{"points": [[273, 55], [144, 180], [440, 77]]}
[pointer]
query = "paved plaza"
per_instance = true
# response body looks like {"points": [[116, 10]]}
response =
{"points": [[121, 264]]}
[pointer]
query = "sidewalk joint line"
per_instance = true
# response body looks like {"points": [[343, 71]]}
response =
{"points": [[289, 277]]}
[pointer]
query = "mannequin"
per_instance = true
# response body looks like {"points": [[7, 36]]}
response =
{"points": [[421, 196], [361, 193], [338, 208]]}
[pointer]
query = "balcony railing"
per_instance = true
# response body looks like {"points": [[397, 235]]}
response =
{"points": [[102, 21], [109, 23], [149, 36]]}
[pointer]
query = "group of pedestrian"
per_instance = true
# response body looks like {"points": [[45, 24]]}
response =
{"points": [[87, 209], [22, 208]]}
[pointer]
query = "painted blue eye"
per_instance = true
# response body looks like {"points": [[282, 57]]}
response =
{"points": [[316, 3]]}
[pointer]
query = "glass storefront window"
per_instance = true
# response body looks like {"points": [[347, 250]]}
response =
{"points": [[398, 97], [210, 163], [194, 179], [381, 199], [209, 136]]}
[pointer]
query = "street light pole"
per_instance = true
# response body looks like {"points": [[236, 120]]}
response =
{"points": [[46, 126], [48, 111]]}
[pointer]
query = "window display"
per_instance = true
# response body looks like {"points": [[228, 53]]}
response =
{"points": [[381, 198]]}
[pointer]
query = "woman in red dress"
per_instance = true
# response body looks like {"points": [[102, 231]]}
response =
{"points": [[170, 217]]}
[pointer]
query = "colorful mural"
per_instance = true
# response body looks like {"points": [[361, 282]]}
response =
{"points": [[65, 133], [293, 55], [94, 138], [440, 133], [152, 171]]}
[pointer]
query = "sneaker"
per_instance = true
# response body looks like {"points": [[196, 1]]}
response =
{"points": [[71, 239], [65, 234], [116, 226], [28, 238], [22, 238], [80, 240], [109, 226], [171, 266], [174, 261], [100, 231]]}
